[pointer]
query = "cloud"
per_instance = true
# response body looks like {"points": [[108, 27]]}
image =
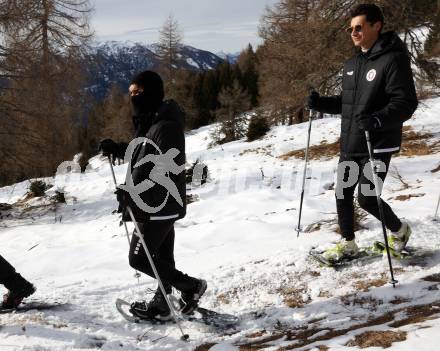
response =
{"points": [[227, 25]]}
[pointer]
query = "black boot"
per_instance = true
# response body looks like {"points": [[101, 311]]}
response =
{"points": [[155, 310], [14, 297], [189, 300]]}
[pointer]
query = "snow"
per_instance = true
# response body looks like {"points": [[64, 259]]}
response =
{"points": [[191, 62], [240, 236]]}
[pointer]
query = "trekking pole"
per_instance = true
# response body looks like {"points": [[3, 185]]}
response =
{"points": [[436, 210], [184, 337], [306, 157], [379, 204], [116, 185], [137, 274]]}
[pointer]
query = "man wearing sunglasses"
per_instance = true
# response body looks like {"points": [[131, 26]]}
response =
{"points": [[378, 95]]}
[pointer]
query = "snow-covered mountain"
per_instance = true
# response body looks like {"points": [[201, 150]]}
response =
{"points": [[231, 58], [117, 62], [239, 236]]}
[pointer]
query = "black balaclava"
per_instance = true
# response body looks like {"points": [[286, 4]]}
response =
{"points": [[146, 103]]}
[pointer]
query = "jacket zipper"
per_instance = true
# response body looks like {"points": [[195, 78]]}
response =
{"points": [[359, 73]]}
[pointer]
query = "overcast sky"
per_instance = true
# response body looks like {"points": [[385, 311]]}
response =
{"points": [[213, 25]]}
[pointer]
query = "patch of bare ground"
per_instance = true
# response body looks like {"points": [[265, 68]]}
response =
{"points": [[399, 300], [436, 169], [407, 197], [432, 278], [295, 296], [295, 293], [367, 302], [303, 336], [382, 339], [417, 143], [204, 347], [359, 216], [257, 334], [413, 144], [263, 150], [322, 151], [314, 227], [365, 285]]}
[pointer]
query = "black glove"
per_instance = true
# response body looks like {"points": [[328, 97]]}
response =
{"points": [[312, 101], [123, 198], [108, 147], [125, 201], [367, 122]]}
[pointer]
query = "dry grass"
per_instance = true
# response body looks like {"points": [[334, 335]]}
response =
{"points": [[399, 301], [204, 347], [417, 143], [322, 151], [435, 170], [314, 227], [377, 339], [295, 297], [262, 150], [432, 278], [407, 197], [414, 144], [303, 336], [257, 334], [363, 301], [365, 285], [226, 297]]}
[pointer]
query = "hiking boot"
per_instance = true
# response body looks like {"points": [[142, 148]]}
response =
{"points": [[343, 249], [398, 240], [13, 298], [156, 309], [189, 300]]}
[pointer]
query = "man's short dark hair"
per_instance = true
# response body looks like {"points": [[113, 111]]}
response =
{"points": [[372, 12]]}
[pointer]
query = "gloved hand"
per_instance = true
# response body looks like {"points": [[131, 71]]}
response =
{"points": [[367, 122], [126, 201], [123, 198], [108, 147]]}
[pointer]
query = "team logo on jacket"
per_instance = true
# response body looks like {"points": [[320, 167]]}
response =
{"points": [[371, 74]]}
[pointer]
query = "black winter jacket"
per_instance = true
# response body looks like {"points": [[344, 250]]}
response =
{"points": [[379, 83], [167, 132]]}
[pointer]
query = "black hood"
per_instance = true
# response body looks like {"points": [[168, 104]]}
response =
{"points": [[388, 41], [169, 110]]}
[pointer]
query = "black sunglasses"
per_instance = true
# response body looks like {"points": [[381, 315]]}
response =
{"points": [[357, 28]]}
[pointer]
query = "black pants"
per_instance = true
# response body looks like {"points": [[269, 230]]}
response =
{"points": [[9, 277], [159, 238], [368, 202]]}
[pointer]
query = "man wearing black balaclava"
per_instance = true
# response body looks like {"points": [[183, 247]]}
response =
{"points": [[161, 124]]}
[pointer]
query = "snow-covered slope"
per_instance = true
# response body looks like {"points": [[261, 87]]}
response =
{"points": [[240, 236]]}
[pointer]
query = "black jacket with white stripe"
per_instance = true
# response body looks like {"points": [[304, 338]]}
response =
{"points": [[379, 83], [163, 132]]}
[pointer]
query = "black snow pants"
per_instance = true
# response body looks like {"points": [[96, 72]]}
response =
{"points": [[159, 238], [367, 201], [9, 277]]}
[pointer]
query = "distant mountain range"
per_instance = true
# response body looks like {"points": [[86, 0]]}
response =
{"points": [[117, 62]]}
